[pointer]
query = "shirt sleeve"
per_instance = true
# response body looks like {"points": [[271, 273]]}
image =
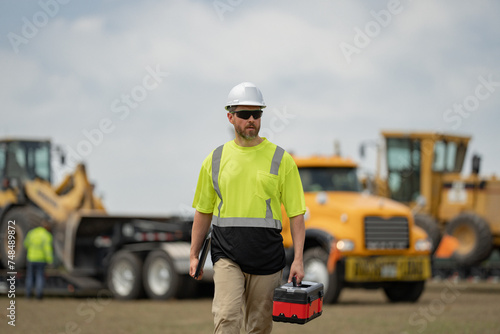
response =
{"points": [[47, 249], [292, 193], [205, 196]]}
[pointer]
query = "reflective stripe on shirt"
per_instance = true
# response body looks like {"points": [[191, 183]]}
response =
{"points": [[216, 157], [276, 162]]}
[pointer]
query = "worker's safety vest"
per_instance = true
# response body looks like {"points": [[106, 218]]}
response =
{"points": [[38, 244], [268, 221]]}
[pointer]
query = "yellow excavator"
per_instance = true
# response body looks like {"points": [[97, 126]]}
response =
{"points": [[131, 256], [424, 171]]}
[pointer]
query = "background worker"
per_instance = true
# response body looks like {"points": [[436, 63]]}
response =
{"points": [[241, 187], [39, 253]]}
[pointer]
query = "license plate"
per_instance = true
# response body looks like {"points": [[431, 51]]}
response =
{"points": [[387, 268]]}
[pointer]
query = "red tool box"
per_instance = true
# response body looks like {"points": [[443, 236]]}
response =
{"points": [[298, 303]]}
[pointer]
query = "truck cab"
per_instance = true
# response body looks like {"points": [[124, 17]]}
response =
{"points": [[354, 239]]}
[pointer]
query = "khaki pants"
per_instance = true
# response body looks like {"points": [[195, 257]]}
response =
{"points": [[240, 296]]}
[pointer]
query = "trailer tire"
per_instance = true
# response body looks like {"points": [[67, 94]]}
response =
{"points": [[124, 277], [430, 226], [474, 237], [398, 292], [316, 270], [25, 218], [161, 281]]}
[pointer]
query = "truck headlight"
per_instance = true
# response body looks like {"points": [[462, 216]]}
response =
{"points": [[345, 245], [423, 245]]}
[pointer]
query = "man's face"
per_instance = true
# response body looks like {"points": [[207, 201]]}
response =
{"points": [[248, 129]]}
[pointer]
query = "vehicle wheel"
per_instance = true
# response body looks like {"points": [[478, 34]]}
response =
{"points": [[430, 226], [315, 268], [475, 241], [25, 218], [161, 281], [404, 291], [124, 277]]}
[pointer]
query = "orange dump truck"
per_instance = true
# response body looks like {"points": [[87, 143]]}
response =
{"points": [[357, 240]]}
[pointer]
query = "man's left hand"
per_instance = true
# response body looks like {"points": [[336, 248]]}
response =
{"points": [[297, 270]]}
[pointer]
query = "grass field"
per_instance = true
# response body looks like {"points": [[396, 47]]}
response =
{"points": [[445, 307]]}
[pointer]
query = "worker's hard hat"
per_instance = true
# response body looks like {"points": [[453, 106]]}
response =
{"points": [[245, 94]]}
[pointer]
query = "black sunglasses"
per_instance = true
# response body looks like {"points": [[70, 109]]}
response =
{"points": [[245, 114]]}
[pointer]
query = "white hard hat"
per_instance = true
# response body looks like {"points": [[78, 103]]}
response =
{"points": [[245, 94]]}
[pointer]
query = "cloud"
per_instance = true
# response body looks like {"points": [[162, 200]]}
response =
{"points": [[64, 82]]}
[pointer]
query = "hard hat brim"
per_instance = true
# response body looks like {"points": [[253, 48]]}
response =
{"points": [[245, 103]]}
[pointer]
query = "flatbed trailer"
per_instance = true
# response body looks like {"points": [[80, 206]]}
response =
{"points": [[445, 268], [125, 257]]}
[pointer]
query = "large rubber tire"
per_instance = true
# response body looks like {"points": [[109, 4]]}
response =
{"points": [[404, 291], [430, 226], [474, 236], [25, 218], [124, 276], [161, 281], [315, 268]]}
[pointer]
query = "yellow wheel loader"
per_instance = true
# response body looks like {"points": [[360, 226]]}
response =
{"points": [[131, 256], [424, 171]]}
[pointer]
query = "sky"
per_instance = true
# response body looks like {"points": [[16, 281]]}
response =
{"points": [[136, 89]]}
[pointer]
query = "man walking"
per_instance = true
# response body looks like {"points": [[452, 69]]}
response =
{"points": [[39, 253], [241, 187]]}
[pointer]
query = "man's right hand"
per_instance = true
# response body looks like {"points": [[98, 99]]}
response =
{"points": [[201, 225], [193, 264]]}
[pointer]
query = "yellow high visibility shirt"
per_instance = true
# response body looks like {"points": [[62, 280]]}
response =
{"points": [[244, 187], [38, 244], [246, 183]]}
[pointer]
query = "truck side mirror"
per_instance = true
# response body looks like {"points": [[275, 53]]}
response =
{"points": [[62, 156], [476, 164], [420, 203], [362, 151]]}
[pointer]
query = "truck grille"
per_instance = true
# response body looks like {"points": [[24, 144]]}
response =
{"points": [[389, 233]]}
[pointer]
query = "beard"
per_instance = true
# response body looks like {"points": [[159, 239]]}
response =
{"points": [[246, 132]]}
